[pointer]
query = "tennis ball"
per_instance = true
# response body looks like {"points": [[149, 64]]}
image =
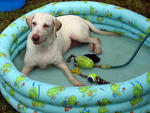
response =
{"points": [[92, 77], [84, 62]]}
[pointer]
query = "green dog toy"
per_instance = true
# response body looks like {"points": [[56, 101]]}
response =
{"points": [[86, 62]]}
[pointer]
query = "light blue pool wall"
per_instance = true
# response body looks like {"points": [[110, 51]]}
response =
{"points": [[131, 95]]}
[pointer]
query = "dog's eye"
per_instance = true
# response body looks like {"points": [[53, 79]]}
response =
{"points": [[45, 26], [34, 23]]}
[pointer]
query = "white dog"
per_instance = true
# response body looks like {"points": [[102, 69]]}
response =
{"points": [[51, 37]]}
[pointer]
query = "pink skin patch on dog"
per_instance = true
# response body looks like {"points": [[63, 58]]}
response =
{"points": [[74, 43]]}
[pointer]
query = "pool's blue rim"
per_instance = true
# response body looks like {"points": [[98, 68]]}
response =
{"points": [[23, 91]]}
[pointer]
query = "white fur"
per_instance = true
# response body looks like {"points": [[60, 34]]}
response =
{"points": [[53, 45]]}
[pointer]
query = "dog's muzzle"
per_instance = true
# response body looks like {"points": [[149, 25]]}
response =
{"points": [[36, 39]]}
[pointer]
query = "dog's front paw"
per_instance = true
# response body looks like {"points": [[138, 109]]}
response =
{"points": [[26, 70], [44, 66], [79, 84]]}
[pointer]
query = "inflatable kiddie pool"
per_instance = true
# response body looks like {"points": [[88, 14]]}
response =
{"points": [[31, 96]]}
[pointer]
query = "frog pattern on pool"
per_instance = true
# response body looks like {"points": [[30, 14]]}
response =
{"points": [[70, 102]]}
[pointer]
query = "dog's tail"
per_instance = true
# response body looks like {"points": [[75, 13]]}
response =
{"points": [[94, 29]]}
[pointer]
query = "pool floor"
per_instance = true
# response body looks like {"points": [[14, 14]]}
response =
{"points": [[116, 51]]}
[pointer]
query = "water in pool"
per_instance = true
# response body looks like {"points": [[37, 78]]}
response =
{"points": [[116, 51]]}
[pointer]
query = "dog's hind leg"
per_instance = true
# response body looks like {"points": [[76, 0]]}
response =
{"points": [[94, 43]]}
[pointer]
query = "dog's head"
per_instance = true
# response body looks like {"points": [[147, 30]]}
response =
{"points": [[42, 26]]}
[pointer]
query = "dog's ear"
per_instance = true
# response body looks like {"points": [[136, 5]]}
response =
{"points": [[57, 24], [29, 20]]}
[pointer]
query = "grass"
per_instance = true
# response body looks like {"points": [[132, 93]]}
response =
{"points": [[139, 6]]}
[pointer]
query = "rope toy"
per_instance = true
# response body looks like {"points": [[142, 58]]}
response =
{"points": [[86, 62]]}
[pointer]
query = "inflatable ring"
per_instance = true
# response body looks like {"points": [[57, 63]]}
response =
{"points": [[30, 96]]}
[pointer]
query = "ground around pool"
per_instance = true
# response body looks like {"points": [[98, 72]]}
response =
{"points": [[140, 6]]}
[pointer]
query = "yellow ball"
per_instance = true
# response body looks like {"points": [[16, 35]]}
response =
{"points": [[92, 77]]}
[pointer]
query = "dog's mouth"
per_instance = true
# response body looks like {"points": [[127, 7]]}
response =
{"points": [[36, 42]]}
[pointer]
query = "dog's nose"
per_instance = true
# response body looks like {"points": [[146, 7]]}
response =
{"points": [[35, 37]]}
